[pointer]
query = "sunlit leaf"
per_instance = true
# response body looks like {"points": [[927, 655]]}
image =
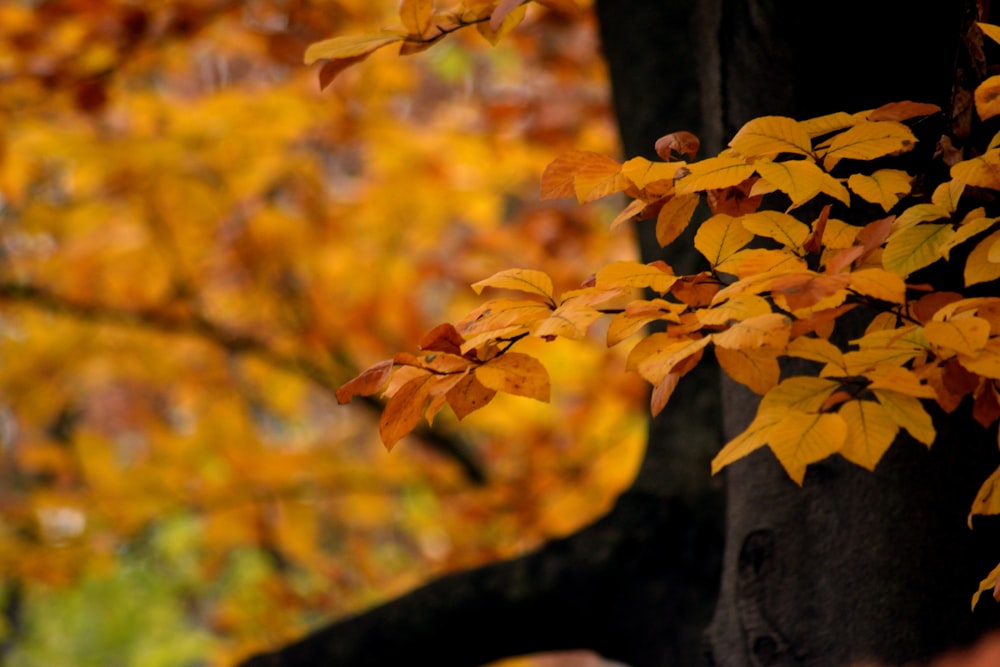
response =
{"points": [[755, 436], [758, 370], [522, 280], [870, 432], [416, 15], [656, 356], [674, 217], [867, 141], [641, 172], [801, 180], [350, 46], [714, 173], [908, 412], [720, 236], [769, 136], [801, 438], [781, 227], [404, 410], [913, 248], [769, 330], [656, 276], [597, 173], [367, 383], [884, 187], [515, 373], [803, 393]]}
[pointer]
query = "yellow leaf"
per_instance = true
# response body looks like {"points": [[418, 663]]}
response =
{"points": [[769, 330], [909, 413], [349, 46], [515, 373], [404, 410], [656, 276], [816, 349], [885, 187], [988, 498], [801, 438], [868, 140], [757, 369], [744, 263], [919, 213], [714, 173], [521, 280], [878, 284], [769, 136], [674, 217], [978, 267], [740, 307], [833, 122], [720, 236], [801, 180], [655, 356], [803, 393], [989, 583], [986, 362], [634, 208], [987, 98], [573, 317], [638, 314], [971, 226], [964, 335], [559, 179], [498, 314], [751, 439], [870, 432], [781, 227], [982, 171], [885, 346], [898, 379], [642, 172], [507, 16], [990, 30], [947, 194], [839, 234], [913, 248], [662, 392], [416, 15]]}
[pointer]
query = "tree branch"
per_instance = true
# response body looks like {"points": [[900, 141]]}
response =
{"points": [[578, 592], [184, 322]]}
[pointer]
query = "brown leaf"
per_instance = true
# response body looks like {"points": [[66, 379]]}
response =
{"points": [[367, 383], [680, 143]]}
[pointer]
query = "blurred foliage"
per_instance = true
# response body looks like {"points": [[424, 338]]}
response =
{"points": [[197, 245]]}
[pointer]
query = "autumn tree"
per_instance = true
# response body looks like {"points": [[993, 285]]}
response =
{"points": [[860, 303]]}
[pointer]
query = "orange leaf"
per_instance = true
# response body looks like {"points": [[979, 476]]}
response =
{"points": [[656, 275], [442, 338], [503, 9], [720, 236], [769, 136], [713, 173], [350, 46], [674, 217], [662, 393], [331, 68], [515, 373], [468, 395], [416, 15], [768, 330], [756, 369], [404, 410], [987, 97], [367, 383], [682, 143], [655, 356], [901, 111], [521, 280]]}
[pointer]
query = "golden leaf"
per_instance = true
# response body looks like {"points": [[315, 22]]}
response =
{"points": [[468, 395], [368, 382], [404, 410], [989, 583], [978, 267], [350, 46], [986, 362], [416, 15], [515, 373], [720, 236], [768, 330], [656, 276], [674, 217], [769, 136], [498, 314], [758, 370], [990, 30], [988, 498], [987, 97], [522, 280], [750, 440], [781, 227], [744, 263], [908, 412], [868, 140], [801, 180], [655, 356], [662, 392], [982, 171], [870, 432], [739, 307], [819, 350], [559, 177], [885, 187], [878, 284], [913, 248], [964, 335], [801, 438], [642, 172], [802, 392], [714, 173], [833, 122]]}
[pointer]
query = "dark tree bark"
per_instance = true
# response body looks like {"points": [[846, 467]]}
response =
{"points": [[854, 564]]}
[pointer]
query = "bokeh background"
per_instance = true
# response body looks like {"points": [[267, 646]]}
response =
{"points": [[198, 245]]}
